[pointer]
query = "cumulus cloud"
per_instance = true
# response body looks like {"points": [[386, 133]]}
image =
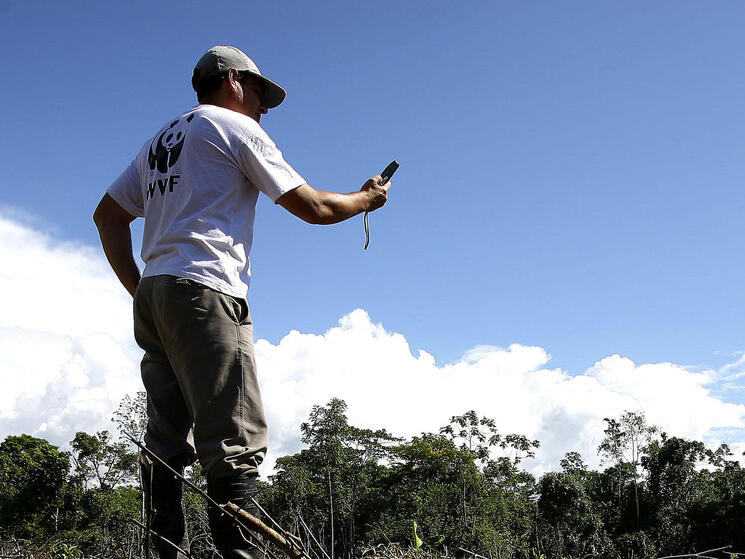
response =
{"points": [[65, 336], [68, 358], [386, 385]]}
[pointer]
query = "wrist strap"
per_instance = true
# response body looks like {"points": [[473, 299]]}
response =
{"points": [[366, 221]]}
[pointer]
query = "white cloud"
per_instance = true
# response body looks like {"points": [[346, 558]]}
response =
{"points": [[385, 385], [68, 358], [65, 337]]}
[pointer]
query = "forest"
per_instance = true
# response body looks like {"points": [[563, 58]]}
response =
{"points": [[353, 492]]}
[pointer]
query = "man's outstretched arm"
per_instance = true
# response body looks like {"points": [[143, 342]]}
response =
{"points": [[113, 222], [324, 208]]}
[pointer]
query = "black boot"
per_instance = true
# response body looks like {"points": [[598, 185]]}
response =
{"points": [[163, 508], [231, 541]]}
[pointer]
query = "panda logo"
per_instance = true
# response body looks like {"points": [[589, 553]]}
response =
{"points": [[165, 150]]}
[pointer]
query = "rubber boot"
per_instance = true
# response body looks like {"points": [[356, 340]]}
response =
{"points": [[163, 508], [232, 541]]}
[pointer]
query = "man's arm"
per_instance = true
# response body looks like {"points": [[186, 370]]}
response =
{"points": [[116, 238], [320, 207]]}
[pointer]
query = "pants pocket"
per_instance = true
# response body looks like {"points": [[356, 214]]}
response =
{"points": [[242, 315]]}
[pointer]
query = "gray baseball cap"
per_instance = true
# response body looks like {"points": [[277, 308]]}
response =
{"points": [[222, 58]]}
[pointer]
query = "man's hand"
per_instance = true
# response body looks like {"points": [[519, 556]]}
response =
{"points": [[324, 208], [378, 192], [116, 238]]}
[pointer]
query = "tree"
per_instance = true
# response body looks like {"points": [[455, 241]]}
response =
{"points": [[572, 525], [102, 521], [97, 459], [495, 494], [131, 416], [434, 483], [622, 445], [334, 484], [324, 433], [721, 517], [479, 435], [32, 480], [675, 484], [572, 463]]}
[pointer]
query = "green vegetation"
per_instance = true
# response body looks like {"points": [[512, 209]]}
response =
{"points": [[458, 492]]}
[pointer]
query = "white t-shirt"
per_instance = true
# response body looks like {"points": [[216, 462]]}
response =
{"points": [[196, 183]]}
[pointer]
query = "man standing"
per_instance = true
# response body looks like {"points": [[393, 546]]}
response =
{"points": [[196, 183]]}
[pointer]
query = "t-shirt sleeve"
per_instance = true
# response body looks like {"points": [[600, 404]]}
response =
{"points": [[126, 191], [263, 164]]}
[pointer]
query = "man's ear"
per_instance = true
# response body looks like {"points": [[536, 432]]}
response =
{"points": [[233, 79]]}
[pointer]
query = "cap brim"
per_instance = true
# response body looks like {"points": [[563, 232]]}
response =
{"points": [[273, 93]]}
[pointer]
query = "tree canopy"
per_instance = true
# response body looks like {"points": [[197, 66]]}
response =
{"points": [[459, 491]]}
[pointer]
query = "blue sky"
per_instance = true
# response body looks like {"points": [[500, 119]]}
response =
{"points": [[571, 172]]}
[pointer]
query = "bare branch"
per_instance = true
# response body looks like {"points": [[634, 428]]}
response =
{"points": [[289, 546], [310, 533], [156, 534], [253, 523], [472, 553], [699, 554]]}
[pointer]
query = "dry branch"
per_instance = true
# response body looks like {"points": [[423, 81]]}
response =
{"points": [[156, 534], [472, 553], [288, 546], [254, 524], [698, 554], [310, 534]]}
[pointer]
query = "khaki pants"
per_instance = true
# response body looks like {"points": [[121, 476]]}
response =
{"points": [[200, 375]]}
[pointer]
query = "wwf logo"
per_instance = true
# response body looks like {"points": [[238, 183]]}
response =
{"points": [[166, 149]]}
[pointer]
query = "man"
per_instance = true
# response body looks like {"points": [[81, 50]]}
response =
{"points": [[196, 183]]}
